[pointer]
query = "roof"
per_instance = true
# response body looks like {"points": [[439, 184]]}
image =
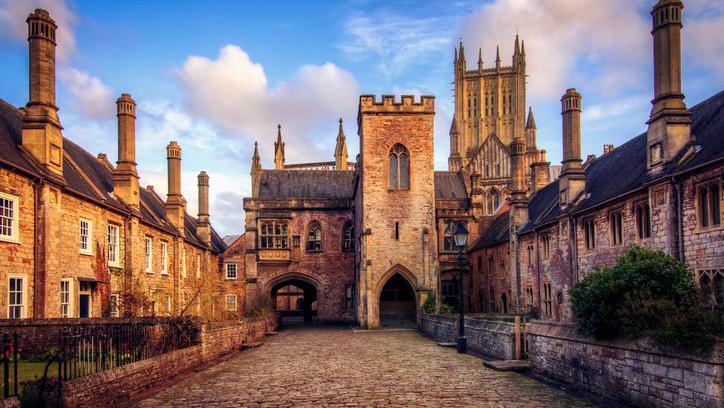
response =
{"points": [[87, 176], [496, 233], [288, 184], [449, 185], [230, 239]]}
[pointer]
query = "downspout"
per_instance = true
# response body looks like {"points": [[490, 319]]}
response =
{"points": [[537, 269], [37, 191], [679, 187]]}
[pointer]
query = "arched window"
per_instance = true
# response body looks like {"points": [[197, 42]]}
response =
{"points": [[314, 237], [399, 168], [493, 201], [348, 237]]}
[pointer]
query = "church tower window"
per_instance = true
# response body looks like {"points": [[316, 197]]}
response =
{"points": [[399, 168], [314, 237]]}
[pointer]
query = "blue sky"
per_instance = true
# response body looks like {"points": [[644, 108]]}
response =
{"points": [[217, 76]]}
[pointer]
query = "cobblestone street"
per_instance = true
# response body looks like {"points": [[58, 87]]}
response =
{"points": [[328, 366]]}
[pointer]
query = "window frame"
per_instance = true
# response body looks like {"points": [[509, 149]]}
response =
{"points": [[396, 153], [198, 266], [14, 236], [164, 257], [273, 240], [616, 227], [236, 303], [709, 208], [116, 262], [348, 241], [314, 245], [589, 232], [114, 305], [226, 271], [546, 244], [148, 254], [69, 304], [448, 228], [642, 213], [23, 296], [88, 250], [547, 299]]}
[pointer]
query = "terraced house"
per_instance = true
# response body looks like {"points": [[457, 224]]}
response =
{"points": [[78, 236]]}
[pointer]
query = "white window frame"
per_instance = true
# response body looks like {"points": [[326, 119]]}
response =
{"points": [[198, 265], [229, 297], [116, 261], [88, 250], [23, 294], [68, 303], [226, 271], [114, 300], [14, 236], [164, 258], [148, 250]]}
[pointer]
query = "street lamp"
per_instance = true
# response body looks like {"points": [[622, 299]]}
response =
{"points": [[461, 238]]}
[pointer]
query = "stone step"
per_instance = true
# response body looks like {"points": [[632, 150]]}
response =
{"points": [[507, 365]]}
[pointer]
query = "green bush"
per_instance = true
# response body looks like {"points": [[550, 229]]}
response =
{"points": [[428, 306], [446, 310], [647, 293]]}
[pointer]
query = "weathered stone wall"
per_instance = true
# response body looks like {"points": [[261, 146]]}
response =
{"points": [[703, 247], [490, 338], [628, 372]]}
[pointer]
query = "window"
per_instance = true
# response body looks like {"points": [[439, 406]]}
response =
{"points": [[493, 201], [616, 222], [314, 237], [589, 229], [182, 255], [399, 168], [503, 303], [198, 265], [348, 237], [273, 235], [16, 292], [547, 300], [529, 296], [113, 240], [546, 244], [149, 255], [711, 283], [231, 271], [86, 237], [9, 218], [114, 305], [168, 304], [348, 297], [164, 258], [397, 230], [709, 205], [231, 303], [530, 255], [447, 236], [65, 296], [643, 220]]}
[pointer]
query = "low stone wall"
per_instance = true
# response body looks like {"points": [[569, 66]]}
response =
{"points": [[490, 338], [634, 373]]}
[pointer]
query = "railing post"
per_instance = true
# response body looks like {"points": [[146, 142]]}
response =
{"points": [[517, 337], [6, 365], [15, 364]]}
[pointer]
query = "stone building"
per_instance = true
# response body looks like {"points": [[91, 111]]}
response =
{"points": [[78, 236], [667, 195]]}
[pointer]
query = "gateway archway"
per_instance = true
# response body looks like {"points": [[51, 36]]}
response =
{"points": [[295, 297], [398, 306]]}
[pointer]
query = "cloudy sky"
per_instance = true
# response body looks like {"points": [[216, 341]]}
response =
{"points": [[217, 76]]}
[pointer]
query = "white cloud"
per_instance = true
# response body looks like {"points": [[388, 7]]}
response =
{"points": [[90, 96], [702, 43], [232, 92], [12, 22]]}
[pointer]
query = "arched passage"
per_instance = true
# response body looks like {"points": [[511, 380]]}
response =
{"points": [[295, 297], [398, 306]]}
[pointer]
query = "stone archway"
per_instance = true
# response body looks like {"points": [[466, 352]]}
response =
{"points": [[295, 295], [397, 300]]}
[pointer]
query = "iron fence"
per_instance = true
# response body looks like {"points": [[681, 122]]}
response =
{"points": [[9, 365]]}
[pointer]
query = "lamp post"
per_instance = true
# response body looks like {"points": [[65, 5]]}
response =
{"points": [[461, 237]]}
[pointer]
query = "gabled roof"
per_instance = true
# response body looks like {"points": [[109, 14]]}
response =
{"points": [[449, 185], [300, 184], [86, 176], [230, 239], [496, 233]]}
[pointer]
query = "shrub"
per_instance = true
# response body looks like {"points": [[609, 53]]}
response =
{"points": [[428, 306], [647, 293], [446, 310]]}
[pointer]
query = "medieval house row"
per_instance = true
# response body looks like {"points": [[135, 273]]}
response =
{"points": [[78, 236]]}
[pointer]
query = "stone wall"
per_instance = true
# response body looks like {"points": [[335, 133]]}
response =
{"points": [[629, 372], [494, 339]]}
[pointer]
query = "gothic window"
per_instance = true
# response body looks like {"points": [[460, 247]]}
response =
{"points": [[547, 300], [589, 229], [447, 236], [711, 284], [546, 244], [348, 237], [273, 235], [616, 223], [314, 237], [643, 220], [709, 205], [399, 168], [529, 297], [493, 201]]}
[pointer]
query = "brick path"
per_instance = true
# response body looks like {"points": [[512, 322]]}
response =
{"points": [[327, 366]]}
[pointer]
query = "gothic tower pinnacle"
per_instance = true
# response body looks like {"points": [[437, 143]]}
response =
{"points": [[340, 151], [279, 150]]}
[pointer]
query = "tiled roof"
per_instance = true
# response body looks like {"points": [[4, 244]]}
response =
{"points": [[288, 184], [90, 178], [449, 185], [496, 233], [230, 239]]}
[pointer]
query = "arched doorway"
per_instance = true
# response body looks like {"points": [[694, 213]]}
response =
{"points": [[397, 303], [295, 298]]}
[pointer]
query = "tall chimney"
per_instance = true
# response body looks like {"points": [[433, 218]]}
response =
{"points": [[572, 179], [540, 171], [518, 201], [125, 177], [670, 122], [175, 203], [203, 226], [41, 132]]}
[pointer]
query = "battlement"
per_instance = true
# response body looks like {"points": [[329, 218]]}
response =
{"points": [[407, 104]]}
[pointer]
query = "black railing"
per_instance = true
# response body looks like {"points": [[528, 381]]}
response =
{"points": [[9, 365]]}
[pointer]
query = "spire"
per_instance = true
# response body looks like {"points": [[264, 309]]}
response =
{"points": [[517, 46], [522, 47], [497, 57], [530, 124], [255, 171], [340, 151], [454, 126], [480, 58], [456, 54], [279, 150]]}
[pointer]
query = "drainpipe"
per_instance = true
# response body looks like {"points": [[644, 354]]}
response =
{"points": [[37, 191], [679, 187], [537, 268]]}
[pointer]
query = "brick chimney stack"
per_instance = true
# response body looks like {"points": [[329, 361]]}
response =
{"points": [[572, 179], [203, 226], [670, 122], [519, 201], [540, 171], [175, 203], [41, 132], [125, 176]]}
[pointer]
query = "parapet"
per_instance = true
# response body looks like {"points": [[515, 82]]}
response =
{"points": [[370, 104]]}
